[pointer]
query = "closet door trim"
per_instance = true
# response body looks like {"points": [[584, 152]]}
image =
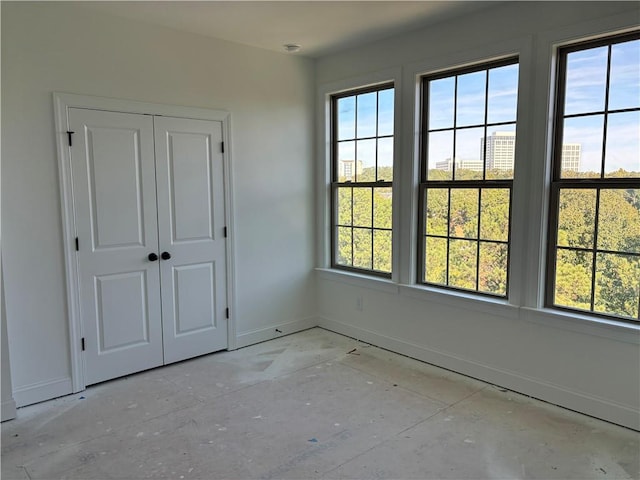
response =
{"points": [[62, 103]]}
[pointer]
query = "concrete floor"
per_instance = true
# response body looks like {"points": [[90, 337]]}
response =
{"points": [[301, 406]]}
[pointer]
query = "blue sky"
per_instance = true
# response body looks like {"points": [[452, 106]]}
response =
{"points": [[471, 98], [367, 125], [585, 93], [585, 87]]}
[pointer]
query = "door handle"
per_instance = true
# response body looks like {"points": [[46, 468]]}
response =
{"points": [[165, 255], [152, 257]]}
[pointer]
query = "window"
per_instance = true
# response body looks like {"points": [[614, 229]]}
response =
{"points": [[467, 164], [594, 238], [362, 179]]}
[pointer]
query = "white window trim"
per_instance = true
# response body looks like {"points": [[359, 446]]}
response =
{"points": [[522, 48], [323, 172]]}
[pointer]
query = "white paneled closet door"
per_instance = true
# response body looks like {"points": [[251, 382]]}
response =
{"points": [[191, 226], [114, 190], [149, 212]]}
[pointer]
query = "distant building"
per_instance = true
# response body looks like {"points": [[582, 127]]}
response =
{"points": [[460, 164], [571, 154], [348, 169], [501, 149]]}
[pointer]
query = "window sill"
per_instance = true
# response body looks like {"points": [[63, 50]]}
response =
{"points": [[611, 329], [358, 280], [451, 298], [586, 324]]}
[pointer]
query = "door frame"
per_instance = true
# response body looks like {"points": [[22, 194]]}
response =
{"points": [[62, 102]]}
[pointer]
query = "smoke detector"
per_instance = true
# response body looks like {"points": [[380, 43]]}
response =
{"points": [[291, 47]]}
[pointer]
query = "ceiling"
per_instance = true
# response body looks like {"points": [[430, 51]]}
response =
{"points": [[321, 27]]}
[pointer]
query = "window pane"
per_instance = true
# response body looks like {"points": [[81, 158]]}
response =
{"points": [[363, 147], [382, 250], [437, 209], [346, 118], [385, 159], [624, 88], [463, 216], [440, 155], [366, 152], [344, 246], [362, 248], [586, 81], [617, 284], [471, 99], [347, 166], [503, 94], [492, 273], [382, 207], [435, 260], [598, 232], [441, 102], [585, 132], [344, 206], [367, 115], [500, 152], [494, 214], [576, 218], [619, 220], [385, 112], [469, 154], [462, 263], [573, 279], [362, 207], [622, 155], [463, 108]]}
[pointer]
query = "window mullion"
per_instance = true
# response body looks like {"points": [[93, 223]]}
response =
{"points": [[455, 144], [606, 114], [594, 254]]}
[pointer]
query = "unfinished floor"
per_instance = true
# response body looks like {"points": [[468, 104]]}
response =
{"points": [[310, 405]]}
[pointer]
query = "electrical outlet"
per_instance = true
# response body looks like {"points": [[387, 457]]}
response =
{"points": [[359, 303]]}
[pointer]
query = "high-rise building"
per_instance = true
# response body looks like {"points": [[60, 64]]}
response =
{"points": [[347, 169], [571, 153], [501, 148]]}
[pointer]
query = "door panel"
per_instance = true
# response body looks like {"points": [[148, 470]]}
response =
{"points": [[194, 304], [115, 182], [190, 186], [113, 171], [122, 316]]}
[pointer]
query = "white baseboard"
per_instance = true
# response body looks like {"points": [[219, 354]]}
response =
{"points": [[39, 392], [269, 333], [574, 400], [8, 409]]}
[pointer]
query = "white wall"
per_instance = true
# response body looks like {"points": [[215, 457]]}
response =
{"points": [[49, 47], [584, 364]]}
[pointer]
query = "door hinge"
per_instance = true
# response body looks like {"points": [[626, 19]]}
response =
{"points": [[69, 133], [225, 232], [77, 245], [227, 312], [222, 146], [82, 344]]}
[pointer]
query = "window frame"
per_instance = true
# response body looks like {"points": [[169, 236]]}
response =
{"points": [[335, 184], [425, 184], [557, 183]]}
